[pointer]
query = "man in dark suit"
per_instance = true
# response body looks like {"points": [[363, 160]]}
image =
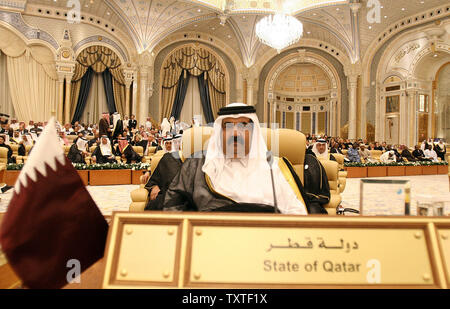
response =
{"points": [[132, 123]]}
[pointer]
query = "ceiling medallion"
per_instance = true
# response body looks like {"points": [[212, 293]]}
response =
{"points": [[279, 30]]}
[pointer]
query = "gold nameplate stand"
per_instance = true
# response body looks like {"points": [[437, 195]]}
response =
{"points": [[200, 250]]}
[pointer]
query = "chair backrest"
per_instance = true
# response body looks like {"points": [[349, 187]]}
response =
{"points": [[332, 170], [151, 150], [15, 149], [3, 155], [139, 150], [376, 154], [339, 159], [155, 160], [27, 150], [195, 139], [66, 150], [92, 149], [292, 145], [344, 152]]}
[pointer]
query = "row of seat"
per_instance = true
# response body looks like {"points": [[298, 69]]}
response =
{"points": [[287, 143], [88, 160]]}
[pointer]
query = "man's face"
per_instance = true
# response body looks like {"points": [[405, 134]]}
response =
{"points": [[16, 134], [237, 134], [169, 146], [104, 141], [321, 147], [2, 140]]}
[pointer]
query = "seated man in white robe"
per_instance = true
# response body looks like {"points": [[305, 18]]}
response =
{"points": [[104, 152], [388, 157], [431, 154], [237, 174]]}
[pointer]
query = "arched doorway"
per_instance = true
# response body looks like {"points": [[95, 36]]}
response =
{"points": [[302, 94], [194, 79], [321, 83], [98, 85]]}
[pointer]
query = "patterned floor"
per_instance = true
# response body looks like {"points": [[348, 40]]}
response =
{"points": [[424, 188]]}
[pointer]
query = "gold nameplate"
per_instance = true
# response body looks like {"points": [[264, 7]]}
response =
{"points": [[444, 240], [188, 250]]}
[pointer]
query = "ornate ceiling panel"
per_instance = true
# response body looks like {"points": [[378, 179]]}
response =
{"points": [[391, 12], [148, 20]]}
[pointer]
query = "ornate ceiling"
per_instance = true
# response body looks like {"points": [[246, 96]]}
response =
{"points": [[148, 22]]}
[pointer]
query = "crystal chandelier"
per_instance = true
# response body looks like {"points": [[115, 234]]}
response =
{"points": [[279, 30]]}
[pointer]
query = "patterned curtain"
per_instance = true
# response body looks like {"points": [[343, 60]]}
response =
{"points": [[99, 58], [196, 61]]}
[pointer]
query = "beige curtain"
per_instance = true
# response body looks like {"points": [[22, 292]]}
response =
{"points": [[119, 97], [32, 77], [6, 105], [196, 60], [192, 104], [33, 91], [96, 102]]}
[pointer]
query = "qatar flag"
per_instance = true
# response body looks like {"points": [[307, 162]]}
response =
{"points": [[51, 218]]}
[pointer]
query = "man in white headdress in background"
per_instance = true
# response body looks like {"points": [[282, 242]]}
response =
{"points": [[320, 150], [165, 127], [235, 174]]}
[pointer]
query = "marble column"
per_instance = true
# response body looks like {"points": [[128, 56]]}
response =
{"points": [[67, 100], [250, 83], [59, 108], [403, 121], [143, 98], [412, 135], [352, 86]]}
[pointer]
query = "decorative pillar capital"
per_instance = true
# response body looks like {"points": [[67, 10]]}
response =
{"points": [[355, 6]]}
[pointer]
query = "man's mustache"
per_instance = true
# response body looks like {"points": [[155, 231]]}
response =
{"points": [[235, 139]]}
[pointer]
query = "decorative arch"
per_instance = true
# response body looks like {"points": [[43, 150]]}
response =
{"points": [[441, 47], [101, 41], [31, 74], [312, 58], [313, 43], [199, 60], [204, 38], [99, 59]]}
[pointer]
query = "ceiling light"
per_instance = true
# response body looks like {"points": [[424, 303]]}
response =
{"points": [[279, 31]]}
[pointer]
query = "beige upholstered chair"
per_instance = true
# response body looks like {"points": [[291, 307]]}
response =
{"points": [[332, 170], [140, 151], [3, 158], [20, 159], [376, 154], [291, 144], [342, 174]]}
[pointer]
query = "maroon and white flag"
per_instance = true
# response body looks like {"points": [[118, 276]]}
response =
{"points": [[51, 218]]}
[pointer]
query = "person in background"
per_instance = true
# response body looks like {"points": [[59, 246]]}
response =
{"points": [[352, 154], [431, 154]]}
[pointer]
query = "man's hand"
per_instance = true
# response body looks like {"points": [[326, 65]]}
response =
{"points": [[154, 193], [145, 178]]}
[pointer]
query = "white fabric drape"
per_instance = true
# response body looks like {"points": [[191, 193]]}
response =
{"points": [[192, 104], [32, 77], [33, 91], [96, 102], [6, 105]]}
